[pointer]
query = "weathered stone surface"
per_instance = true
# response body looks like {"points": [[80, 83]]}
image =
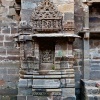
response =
{"points": [[97, 97], [49, 83], [13, 71], [92, 90], [21, 97], [10, 57], [95, 74], [68, 92], [88, 83], [8, 91], [25, 83], [24, 91]]}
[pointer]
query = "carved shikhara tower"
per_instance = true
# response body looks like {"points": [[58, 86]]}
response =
{"points": [[46, 55]]}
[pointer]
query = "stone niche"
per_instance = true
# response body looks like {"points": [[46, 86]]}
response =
{"points": [[46, 55]]}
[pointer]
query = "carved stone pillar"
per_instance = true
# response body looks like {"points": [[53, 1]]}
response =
{"points": [[86, 60], [26, 45]]}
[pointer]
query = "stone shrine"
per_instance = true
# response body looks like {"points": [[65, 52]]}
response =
{"points": [[46, 55], [41, 56]]}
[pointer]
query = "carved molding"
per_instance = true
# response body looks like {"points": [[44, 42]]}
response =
{"points": [[69, 25]]}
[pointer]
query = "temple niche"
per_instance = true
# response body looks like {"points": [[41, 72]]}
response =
{"points": [[46, 55]]}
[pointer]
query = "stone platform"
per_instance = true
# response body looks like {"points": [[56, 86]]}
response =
{"points": [[45, 98], [90, 90]]}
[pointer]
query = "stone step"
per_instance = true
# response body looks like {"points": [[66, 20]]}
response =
{"points": [[46, 72], [48, 90], [91, 90], [91, 97], [47, 76], [85, 83], [53, 86]]}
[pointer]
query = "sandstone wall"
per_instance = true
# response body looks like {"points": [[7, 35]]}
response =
{"points": [[9, 55]]}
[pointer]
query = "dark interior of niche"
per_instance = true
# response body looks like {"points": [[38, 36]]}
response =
{"points": [[19, 3], [94, 35], [95, 7]]}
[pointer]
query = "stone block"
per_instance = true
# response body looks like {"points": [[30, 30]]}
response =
{"points": [[2, 51], [25, 91], [6, 78], [21, 98], [68, 92], [11, 11], [12, 51], [67, 82], [25, 83], [46, 83], [9, 44], [28, 5], [13, 71], [8, 91], [89, 97], [66, 7], [26, 14], [13, 58], [37, 98], [12, 84], [69, 98], [96, 97], [95, 74], [91, 83], [14, 30], [8, 97], [5, 98], [91, 90], [1, 44], [32, 98], [95, 67], [13, 77], [9, 64], [13, 97], [57, 98], [1, 37], [2, 82], [8, 38], [3, 71], [5, 30], [68, 16]]}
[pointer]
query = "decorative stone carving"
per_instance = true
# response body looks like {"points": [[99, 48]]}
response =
{"points": [[46, 18], [47, 56], [69, 25], [40, 51]]}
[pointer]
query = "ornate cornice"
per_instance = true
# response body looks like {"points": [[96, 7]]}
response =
{"points": [[46, 18]]}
